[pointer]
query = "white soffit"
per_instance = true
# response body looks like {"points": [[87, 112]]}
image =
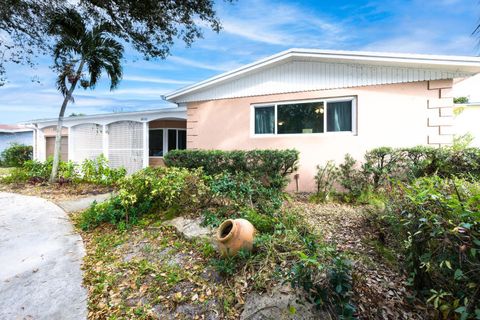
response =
{"points": [[308, 69]]}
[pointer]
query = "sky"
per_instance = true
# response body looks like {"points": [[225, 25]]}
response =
{"points": [[254, 29]]}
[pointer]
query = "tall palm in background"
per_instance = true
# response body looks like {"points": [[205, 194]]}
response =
{"points": [[81, 54]]}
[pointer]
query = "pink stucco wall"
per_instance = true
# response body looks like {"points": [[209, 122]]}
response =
{"points": [[387, 115]]}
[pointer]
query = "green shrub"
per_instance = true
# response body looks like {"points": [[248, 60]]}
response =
{"points": [[230, 196], [262, 222], [16, 175], [325, 179], [40, 171], [382, 166], [271, 167], [169, 190], [97, 171], [460, 100], [352, 180], [90, 171], [16, 155], [439, 221]]}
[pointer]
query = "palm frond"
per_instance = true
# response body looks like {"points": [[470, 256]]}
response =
{"points": [[96, 47]]}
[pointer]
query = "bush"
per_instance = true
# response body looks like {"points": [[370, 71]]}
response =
{"points": [[235, 196], [16, 155], [98, 171], [271, 167], [16, 175], [169, 190], [439, 221], [352, 180], [325, 179], [384, 166], [90, 171]]}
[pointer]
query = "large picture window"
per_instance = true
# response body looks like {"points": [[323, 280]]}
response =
{"points": [[300, 118], [329, 115]]}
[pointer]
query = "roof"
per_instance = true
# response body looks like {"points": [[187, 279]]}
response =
{"points": [[13, 128], [465, 65], [159, 111]]}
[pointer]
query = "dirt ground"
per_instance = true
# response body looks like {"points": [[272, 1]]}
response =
{"points": [[56, 192], [380, 290]]}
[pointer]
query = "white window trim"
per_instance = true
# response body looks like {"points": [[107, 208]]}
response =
{"points": [[325, 102], [165, 140]]}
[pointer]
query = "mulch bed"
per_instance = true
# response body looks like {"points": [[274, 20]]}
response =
{"points": [[56, 191], [380, 290]]}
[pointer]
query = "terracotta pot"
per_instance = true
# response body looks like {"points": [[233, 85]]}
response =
{"points": [[233, 235]]}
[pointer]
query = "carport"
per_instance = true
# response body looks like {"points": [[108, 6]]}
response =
{"points": [[132, 140]]}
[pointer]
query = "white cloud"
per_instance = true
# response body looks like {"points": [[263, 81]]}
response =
{"points": [[155, 80], [201, 65], [281, 24]]}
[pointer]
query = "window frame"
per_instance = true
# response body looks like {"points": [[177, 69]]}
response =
{"points": [[165, 139], [325, 101]]}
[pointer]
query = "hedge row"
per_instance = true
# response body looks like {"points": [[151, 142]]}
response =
{"points": [[271, 167], [410, 163]]}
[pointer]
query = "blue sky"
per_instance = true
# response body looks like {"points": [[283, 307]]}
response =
{"points": [[254, 29]]}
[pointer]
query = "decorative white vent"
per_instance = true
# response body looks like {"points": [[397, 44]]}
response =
{"points": [[125, 145], [87, 141]]}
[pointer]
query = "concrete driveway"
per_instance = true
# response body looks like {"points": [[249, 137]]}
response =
{"points": [[40, 259]]}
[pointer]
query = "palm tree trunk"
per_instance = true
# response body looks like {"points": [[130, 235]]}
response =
{"points": [[58, 137]]}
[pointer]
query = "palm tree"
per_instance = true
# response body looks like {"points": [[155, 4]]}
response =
{"points": [[81, 54]]}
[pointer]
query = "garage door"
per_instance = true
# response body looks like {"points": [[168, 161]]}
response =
{"points": [[63, 148]]}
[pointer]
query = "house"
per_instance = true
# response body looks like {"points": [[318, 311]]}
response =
{"points": [[467, 119], [133, 140], [326, 104], [323, 103], [14, 134]]}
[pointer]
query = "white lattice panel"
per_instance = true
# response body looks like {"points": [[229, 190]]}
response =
{"points": [[125, 145], [88, 141]]}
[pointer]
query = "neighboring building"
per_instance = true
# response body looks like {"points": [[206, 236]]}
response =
{"points": [[467, 120], [14, 134], [133, 140], [326, 104], [323, 103]]}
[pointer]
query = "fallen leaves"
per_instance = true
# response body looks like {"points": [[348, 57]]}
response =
{"points": [[379, 289]]}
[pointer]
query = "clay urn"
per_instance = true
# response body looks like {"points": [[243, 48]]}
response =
{"points": [[234, 235]]}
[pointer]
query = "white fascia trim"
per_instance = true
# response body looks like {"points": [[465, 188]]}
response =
{"points": [[466, 64], [15, 130], [102, 119]]}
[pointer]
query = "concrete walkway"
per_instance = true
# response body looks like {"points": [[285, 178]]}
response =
{"points": [[40, 259], [82, 203]]}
